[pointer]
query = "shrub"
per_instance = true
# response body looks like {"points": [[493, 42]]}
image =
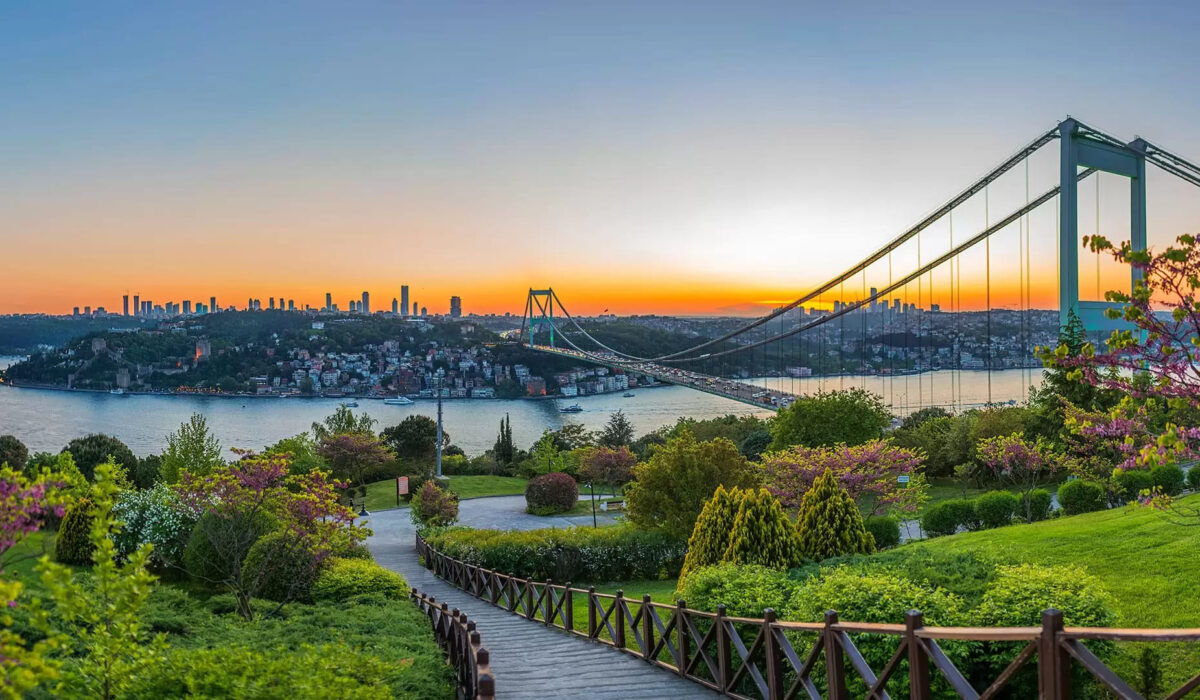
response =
{"points": [[573, 554], [1041, 504], [1194, 478], [946, 517], [830, 523], [1169, 478], [13, 452], [996, 508], [205, 561], [762, 533], [1080, 496], [72, 545], [343, 578], [853, 417], [153, 516], [551, 493], [434, 506], [744, 590], [280, 569], [710, 536], [95, 449], [1131, 483], [885, 529]]}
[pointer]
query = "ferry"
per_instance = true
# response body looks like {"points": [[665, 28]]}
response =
{"points": [[349, 404], [573, 408], [398, 401], [117, 392], [628, 395]]}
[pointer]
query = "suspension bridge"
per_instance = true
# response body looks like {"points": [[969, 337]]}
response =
{"points": [[898, 313]]}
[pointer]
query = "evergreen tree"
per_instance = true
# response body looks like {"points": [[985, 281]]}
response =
{"points": [[710, 537], [762, 533], [504, 451], [618, 432], [830, 523], [192, 448]]}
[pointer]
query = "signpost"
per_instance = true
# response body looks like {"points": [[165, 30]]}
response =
{"points": [[401, 488], [903, 480]]}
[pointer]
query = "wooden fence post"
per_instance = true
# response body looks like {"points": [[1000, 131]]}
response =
{"points": [[592, 631], [722, 649], [918, 661], [548, 601], [773, 657], [647, 628], [683, 641], [835, 668], [1054, 666], [568, 614], [530, 610], [618, 614]]}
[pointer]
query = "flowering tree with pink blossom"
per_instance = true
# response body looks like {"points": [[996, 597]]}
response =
{"points": [[232, 502], [1017, 461], [869, 472], [607, 465]]}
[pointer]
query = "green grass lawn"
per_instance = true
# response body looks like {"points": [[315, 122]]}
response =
{"points": [[381, 495]]}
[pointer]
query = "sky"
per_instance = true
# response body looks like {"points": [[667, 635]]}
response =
{"points": [[641, 157]]}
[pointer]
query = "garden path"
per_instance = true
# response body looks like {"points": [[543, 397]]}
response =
{"points": [[528, 659]]}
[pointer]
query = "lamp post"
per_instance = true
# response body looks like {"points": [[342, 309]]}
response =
{"points": [[438, 384], [592, 488]]}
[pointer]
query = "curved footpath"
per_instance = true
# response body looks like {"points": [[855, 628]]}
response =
{"points": [[528, 659]]}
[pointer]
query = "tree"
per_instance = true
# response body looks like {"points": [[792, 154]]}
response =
{"points": [[617, 432], [342, 421], [710, 535], [90, 450], [13, 452], [573, 436], [853, 416], [605, 465], [192, 448], [869, 473], [669, 491], [415, 439], [922, 415], [755, 444], [830, 524], [301, 450], [762, 534], [504, 450], [433, 506], [545, 457], [354, 456], [103, 615], [231, 502], [1024, 464]]}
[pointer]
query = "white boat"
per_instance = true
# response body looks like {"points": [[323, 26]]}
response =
{"points": [[573, 408], [117, 392], [398, 401], [349, 404], [628, 395]]}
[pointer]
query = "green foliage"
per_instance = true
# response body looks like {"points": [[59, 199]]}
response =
{"points": [[414, 439], [153, 516], [574, 554], [830, 524], [504, 451], [885, 529], [72, 545], [218, 546], [744, 590], [946, 517], [853, 416], [710, 536], [303, 451], [998, 421], [433, 506], [966, 575], [1193, 478], [341, 579], [92, 450], [732, 427], [244, 672], [670, 489], [147, 472], [13, 452], [996, 508], [946, 442], [923, 415], [343, 421], [280, 570], [617, 432], [1130, 483], [762, 534], [1079, 496], [755, 444], [1169, 478], [551, 493], [1041, 504], [192, 448]]}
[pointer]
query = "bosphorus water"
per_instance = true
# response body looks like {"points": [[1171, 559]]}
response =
{"points": [[47, 419]]}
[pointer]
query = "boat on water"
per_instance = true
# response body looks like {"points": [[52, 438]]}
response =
{"points": [[117, 392], [349, 404], [628, 395], [398, 401], [573, 408]]}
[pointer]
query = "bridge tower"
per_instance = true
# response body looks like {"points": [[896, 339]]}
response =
{"points": [[1082, 148], [540, 314]]}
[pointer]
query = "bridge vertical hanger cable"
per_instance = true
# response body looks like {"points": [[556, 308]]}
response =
{"points": [[1098, 296], [988, 264], [862, 338], [920, 343], [1027, 376]]}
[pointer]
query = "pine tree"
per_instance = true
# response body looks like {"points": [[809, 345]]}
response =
{"points": [[504, 451], [710, 536], [830, 523], [762, 533]]}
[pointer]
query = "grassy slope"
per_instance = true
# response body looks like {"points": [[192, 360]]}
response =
{"points": [[381, 495]]}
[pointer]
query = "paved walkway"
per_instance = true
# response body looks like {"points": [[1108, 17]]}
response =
{"points": [[528, 659]]}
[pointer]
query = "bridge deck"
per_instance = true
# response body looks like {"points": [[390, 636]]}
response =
{"points": [[528, 659]]}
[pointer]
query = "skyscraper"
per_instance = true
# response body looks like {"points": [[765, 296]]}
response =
{"points": [[414, 308], [424, 311], [366, 303], [187, 307], [395, 305], [212, 305], [455, 307], [271, 303], [137, 305], [125, 302], [328, 301], [404, 299], [291, 304]]}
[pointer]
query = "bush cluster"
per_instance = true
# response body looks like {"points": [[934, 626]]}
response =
{"points": [[947, 517], [1130, 484], [551, 493], [1193, 478], [989, 510], [280, 569], [433, 506], [1080, 496], [72, 545], [744, 590], [340, 579], [153, 516], [885, 529], [1168, 478], [996, 508], [575, 554]]}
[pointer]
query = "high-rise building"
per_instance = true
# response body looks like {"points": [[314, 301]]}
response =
{"points": [[424, 311], [137, 305], [187, 307], [271, 303], [395, 306], [404, 299], [366, 304], [75, 311], [414, 308], [87, 311], [291, 304], [212, 305], [455, 307], [125, 303], [328, 301]]}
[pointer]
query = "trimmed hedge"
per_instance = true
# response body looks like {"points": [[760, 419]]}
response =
{"points": [[1169, 478], [997, 508], [1080, 496], [551, 493], [946, 517], [1041, 505], [279, 569], [1193, 478], [71, 545], [885, 529], [746, 590], [575, 554], [342, 578], [1131, 483]]}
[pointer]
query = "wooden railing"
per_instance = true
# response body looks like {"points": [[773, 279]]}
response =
{"points": [[460, 640], [710, 648]]}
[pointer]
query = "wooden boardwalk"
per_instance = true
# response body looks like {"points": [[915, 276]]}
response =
{"points": [[528, 659]]}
